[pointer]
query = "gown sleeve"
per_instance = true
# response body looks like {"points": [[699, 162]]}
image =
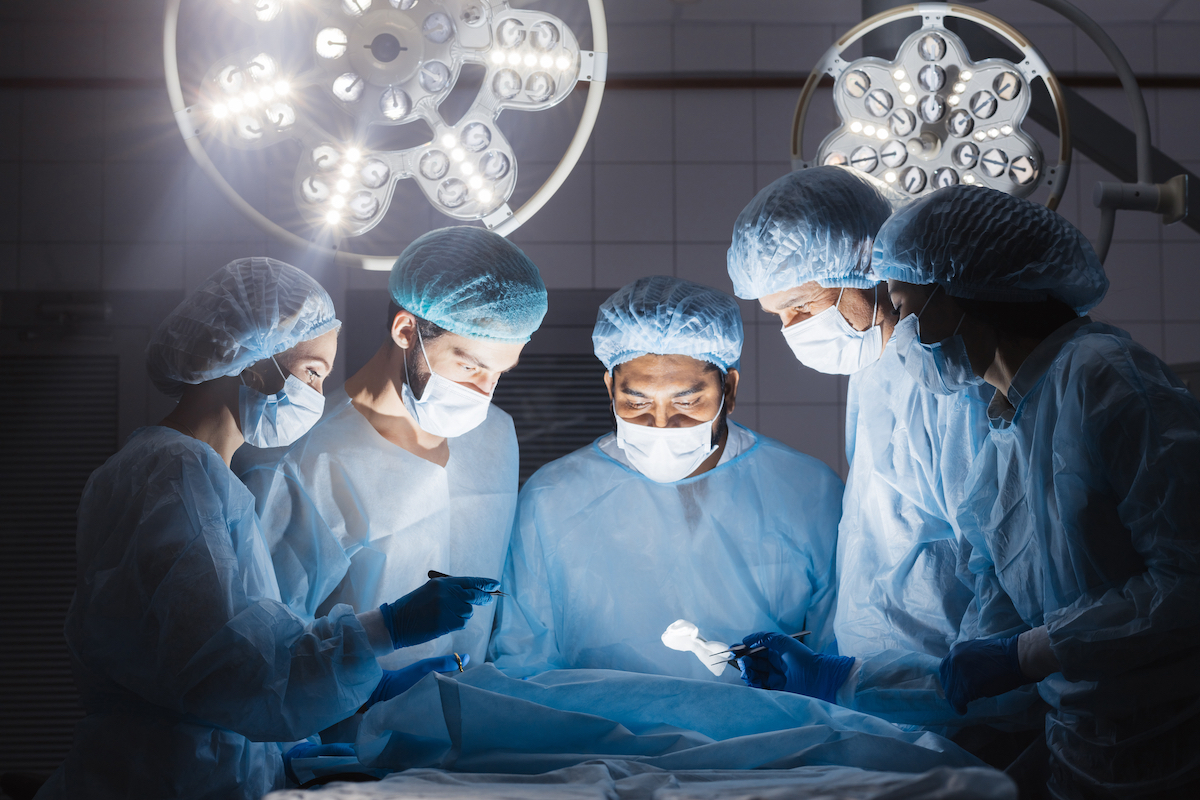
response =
{"points": [[178, 606]]}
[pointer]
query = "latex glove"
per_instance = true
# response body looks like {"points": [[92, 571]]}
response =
{"points": [[788, 665], [310, 750], [398, 681], [981, 668], [438, 607]]}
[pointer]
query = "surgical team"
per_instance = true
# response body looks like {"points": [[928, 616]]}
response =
{"points": [[1013, 561]]}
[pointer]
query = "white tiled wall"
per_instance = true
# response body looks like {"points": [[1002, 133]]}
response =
{"points": [[102, 195]]}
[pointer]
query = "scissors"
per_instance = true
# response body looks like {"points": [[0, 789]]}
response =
{"points": [[741, 651], [433, 573]]}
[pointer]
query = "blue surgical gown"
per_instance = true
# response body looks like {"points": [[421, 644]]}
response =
{"points": [[902, 599], [188, 664], [1085, 502], [603, 559], [353, 518]]}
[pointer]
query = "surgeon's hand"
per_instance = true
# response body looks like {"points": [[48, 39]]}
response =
{"points": [[398, 681], [981, 668], [310, 750], [787, 665], [440, 606]]}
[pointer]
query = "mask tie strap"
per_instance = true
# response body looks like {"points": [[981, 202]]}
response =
{"points": [[928, 300], [959, 325], [838, 304], [875, 311], [276, 363]]}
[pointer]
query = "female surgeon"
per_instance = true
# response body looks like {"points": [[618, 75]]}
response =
{"points": [[1084, 502], [189, 666]]}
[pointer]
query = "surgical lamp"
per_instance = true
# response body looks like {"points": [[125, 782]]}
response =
{"points": [[387, 63], [932, 117]]}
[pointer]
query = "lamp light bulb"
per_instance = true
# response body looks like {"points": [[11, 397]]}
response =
{"points": [[353, 154], [993, 133], [910, 99], [953, 99], [467, 168], [235, 105], [250, 99], [333, 217], [448, 140], [868, 130], [267, 94], [546, 62], [530, 60], [343, 185], [457, 154], [347, 170], [497, 57], [881, 133], [337, 201], [906, 87], [898, 74], [282, 88], [475, 182], [514, 58], [485, 195], [889, 176], [1006, 129], [220, 111], [960, 87], [968, 178], [856, 126], [965, 75], [562, 62]]}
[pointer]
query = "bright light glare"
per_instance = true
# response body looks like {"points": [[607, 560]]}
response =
{"points": [[250, 99], [960, 87], [898, 74], [235, 105], [910, 99], [1006, 129], [333, 217], [890, 177], [530, 60], [353, 154], [856, 126], [331, 43], [457, 154], [337, 201], [980, 136], [347, 170], [514, 58], [562, 62], [220, 111], [497, 57], [869, 130], [545, 62], [906, 87], [968, 178], [881, 133], [485, 195], [475, 182], [282, 88], [953, 99], [467, 168], [993, 133], [966, 75], [448, 140], [343, 185], [267, 94]]}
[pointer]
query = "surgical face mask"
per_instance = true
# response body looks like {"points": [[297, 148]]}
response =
{"points": [[446, 408], [826, 342], [277, 420], [666, 455], [942, 368]]}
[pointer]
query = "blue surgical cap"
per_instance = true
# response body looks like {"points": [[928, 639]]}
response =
{"points": [[472, 282], [980, 243], [248, 310], [668, 316], [814, 225]]}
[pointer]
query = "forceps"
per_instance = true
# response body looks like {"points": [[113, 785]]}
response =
{"points": [[740, 650], [433, 573]]}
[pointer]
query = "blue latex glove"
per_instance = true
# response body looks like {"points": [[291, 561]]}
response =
{"points": [[789, 666], [310, 750], [398, 681], [438, 607], [981, 668]]}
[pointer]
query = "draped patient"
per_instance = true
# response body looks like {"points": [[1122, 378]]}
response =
{"points": [[680, 513]]}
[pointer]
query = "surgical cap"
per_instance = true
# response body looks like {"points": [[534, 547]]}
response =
{"points": [[668, 316], [814, 225], [472, 282], [983, 244], [248, 310]]}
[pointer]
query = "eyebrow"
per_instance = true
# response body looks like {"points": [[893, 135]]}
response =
{"points": [[463, 354], [695, 389]]}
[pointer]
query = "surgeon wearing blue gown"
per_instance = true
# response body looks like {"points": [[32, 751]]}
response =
{"points": [[681, 513], [802, 248], [1084, 502], [189, 666], [412, 468]]}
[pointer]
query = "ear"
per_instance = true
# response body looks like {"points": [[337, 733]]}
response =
{"points": [[732, 377], [404, 329], [608, 383]]}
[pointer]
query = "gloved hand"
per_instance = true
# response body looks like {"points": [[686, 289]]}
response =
{"points": [[398, 681], [981, 668], [788, 665], [310, 750], [438, 607]]}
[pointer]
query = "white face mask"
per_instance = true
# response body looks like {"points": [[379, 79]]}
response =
{"points": [[826, 342], [446, 408], [277, 420], [944, 367], [666, 455]]}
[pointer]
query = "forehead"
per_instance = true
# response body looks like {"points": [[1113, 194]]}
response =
{"points": [[651, 372], [496, 355], [797, 294], [320, 347]]}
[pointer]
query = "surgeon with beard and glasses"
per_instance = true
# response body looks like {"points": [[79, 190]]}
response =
{"points": [[680, 514]]}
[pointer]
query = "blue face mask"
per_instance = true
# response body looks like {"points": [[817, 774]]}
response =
{"points": [[942, 368]]}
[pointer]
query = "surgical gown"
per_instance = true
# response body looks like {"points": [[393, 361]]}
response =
{"points": [[902, 601], [188, 664], [603, 559], [1084, 502], [352, 518]]}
